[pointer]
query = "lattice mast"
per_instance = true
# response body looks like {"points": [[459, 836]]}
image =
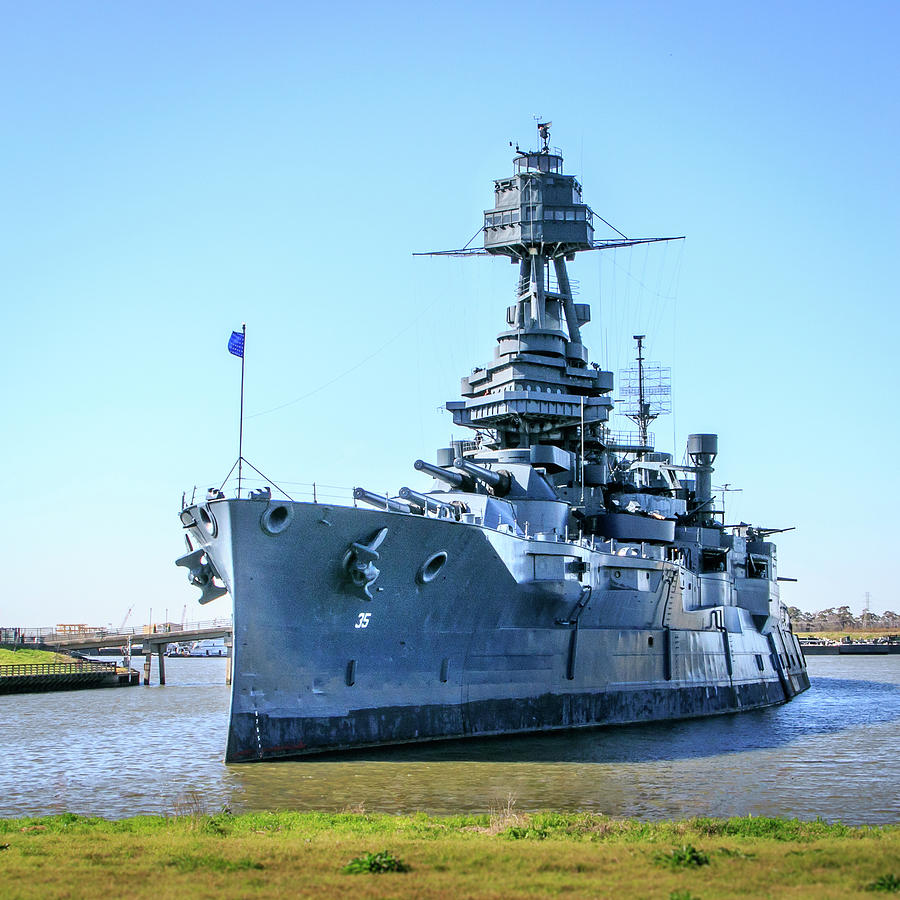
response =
{"points": [[646, 391]]}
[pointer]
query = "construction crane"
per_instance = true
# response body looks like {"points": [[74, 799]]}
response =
{"points": [[127, 616]]}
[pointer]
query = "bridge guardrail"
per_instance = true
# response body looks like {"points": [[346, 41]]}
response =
{"points": [[53, 635]]}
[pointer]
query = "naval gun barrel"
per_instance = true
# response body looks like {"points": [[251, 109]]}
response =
{"points": [[380, 501], [414, 498], [456, 479], [498, 482]]}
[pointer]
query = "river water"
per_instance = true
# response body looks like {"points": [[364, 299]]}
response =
{"points": [[832, 752]]}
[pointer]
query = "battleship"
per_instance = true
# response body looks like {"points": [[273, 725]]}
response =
{"points": [[552, 576]]}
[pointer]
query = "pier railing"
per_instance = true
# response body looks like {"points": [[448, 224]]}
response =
{"points": [[55, 668]]}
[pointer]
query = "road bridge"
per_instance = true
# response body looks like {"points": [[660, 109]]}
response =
{"points": [[151, 639]]}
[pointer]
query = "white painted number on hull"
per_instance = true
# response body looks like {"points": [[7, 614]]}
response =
{"points": [[363, 620]]}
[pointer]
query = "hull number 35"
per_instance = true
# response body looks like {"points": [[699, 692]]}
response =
{"points": [[362, 620]]}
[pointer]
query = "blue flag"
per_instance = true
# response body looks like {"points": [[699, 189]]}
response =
{"points": [[236, 344]]}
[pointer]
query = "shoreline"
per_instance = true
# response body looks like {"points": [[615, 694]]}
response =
{"points": [[851, 649]]}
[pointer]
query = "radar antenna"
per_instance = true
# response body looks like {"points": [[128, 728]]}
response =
{"points": [[646, 391], [544, 134]]}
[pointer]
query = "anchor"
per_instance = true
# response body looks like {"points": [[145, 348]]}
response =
{"points": [[359, 562], [202, 574]]}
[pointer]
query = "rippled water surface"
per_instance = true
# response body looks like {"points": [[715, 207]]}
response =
{"points": [[832, 752]]}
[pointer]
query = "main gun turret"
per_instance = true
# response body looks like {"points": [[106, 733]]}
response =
{"points": [[380, 501], [455, 479], [498, 482], [423, 501]]}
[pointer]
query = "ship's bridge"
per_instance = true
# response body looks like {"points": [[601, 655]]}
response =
{"points": [[538, 208], [538, 162]]}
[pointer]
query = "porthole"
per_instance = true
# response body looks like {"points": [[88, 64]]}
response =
{"points": [[429, 569], [617, 574], [207, 520], [276, 519]]}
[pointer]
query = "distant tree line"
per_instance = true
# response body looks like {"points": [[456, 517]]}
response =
{"points": [[839, 618]]}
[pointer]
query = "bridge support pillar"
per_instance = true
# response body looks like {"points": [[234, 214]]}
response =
{"points": [[148, 659], [229, 653], [161, 654]]}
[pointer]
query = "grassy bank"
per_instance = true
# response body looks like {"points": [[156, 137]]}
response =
{"points": [[503, 856], [27, 656], [850, 635]]}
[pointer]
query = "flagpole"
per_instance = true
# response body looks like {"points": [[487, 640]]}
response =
{"points": [[241, 425]]}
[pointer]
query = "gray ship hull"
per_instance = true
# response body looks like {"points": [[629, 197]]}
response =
{"points": [[504, 634]]}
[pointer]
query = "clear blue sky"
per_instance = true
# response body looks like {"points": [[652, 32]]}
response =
{"points": [[170, 170]]}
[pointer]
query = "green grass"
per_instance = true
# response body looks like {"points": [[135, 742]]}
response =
{"points": [[499, 856], [375, 864], [191, 862], [29, 656], [887, 883], [687, 856]]}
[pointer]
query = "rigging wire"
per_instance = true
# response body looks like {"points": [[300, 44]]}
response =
{"points": [[469, 241], [616, 230], [629, 301], [346, 372], [632, 277]]}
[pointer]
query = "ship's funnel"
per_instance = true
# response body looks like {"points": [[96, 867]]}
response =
{"points": [[706, 445], [702, 450]]}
